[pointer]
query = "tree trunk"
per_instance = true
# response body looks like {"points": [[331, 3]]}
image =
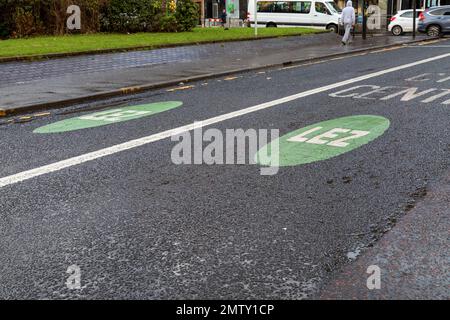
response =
{"points": [[164, 6]]}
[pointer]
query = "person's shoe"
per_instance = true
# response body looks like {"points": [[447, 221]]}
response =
{"points": [[343, 43]]}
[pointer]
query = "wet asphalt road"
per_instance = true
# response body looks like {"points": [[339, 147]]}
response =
{"points": [[140, 227]]}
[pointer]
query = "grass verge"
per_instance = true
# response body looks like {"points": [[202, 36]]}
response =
{"points": [[46, 45]]}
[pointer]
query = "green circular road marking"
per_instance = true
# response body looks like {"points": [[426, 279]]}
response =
{"points": [[108, 117], [324, 140]]}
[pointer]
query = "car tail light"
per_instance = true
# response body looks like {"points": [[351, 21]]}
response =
{"points": [[393, 18], [421, 17]]}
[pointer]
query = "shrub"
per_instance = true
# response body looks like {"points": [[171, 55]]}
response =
{"points": [[168, 24], [7, 11], [29, 17], [5, 30], [26, 24], [186, 15], [130, 15], [90, 15]]}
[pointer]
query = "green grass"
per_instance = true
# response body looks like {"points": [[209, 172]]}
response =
{"points": [[79, 43]]}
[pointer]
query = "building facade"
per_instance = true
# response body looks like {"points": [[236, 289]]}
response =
{"points": [[237, 9]]}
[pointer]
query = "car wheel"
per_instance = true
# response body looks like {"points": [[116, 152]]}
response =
{"points": [[434, 31], [333, 28], [271, 25], [397, 31]]}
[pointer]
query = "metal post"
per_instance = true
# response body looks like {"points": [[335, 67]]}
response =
{"points": [[256, 18], [364, 22], [414, 18]]}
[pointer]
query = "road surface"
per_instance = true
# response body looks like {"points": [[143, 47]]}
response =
{"points": [[108, 202]]}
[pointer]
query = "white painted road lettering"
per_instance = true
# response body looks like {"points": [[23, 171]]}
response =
{"points": [[444, 93], [404, 94], [435, 77], [377, 90], [355, 134], [345, 93], [408, 94], [74, 161], [302, 137], [324, 138], [419, 78], [114, 115]]}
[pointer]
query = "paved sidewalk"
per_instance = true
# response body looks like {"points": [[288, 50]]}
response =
{"points": [[28, 85], [413, 257]]}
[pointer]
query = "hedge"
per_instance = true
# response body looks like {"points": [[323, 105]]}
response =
{"points": [[22, 18]]}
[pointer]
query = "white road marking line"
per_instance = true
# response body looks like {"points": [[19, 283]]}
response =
{"points": [[25, 175]]}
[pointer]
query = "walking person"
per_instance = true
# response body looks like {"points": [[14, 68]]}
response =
{"points": [[349, 20], [223, 18]]}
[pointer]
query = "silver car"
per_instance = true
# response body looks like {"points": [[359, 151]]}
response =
{"points": [[435, 21]]}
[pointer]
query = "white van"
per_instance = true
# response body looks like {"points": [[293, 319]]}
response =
{"points": [[307, 13]]}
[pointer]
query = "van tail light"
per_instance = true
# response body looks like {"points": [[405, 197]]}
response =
{"points": [[421, 17], [393, 18]]}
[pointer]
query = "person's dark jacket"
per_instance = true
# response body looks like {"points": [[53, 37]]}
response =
{"points": [[223, 17]]}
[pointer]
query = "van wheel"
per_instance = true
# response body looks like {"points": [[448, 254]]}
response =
{"points": [[271, 25], [434, 31], [333, 28], [397, 31]]}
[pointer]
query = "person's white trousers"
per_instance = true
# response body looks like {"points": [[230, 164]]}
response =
{"points": [[348, 29]]}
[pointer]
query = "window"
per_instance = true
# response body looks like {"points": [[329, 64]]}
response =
{"points": [[438, 12], [301, 7], [320, 8], [333, 7], [265, 6], [284, 7], [281, 7], [408, 14]]}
